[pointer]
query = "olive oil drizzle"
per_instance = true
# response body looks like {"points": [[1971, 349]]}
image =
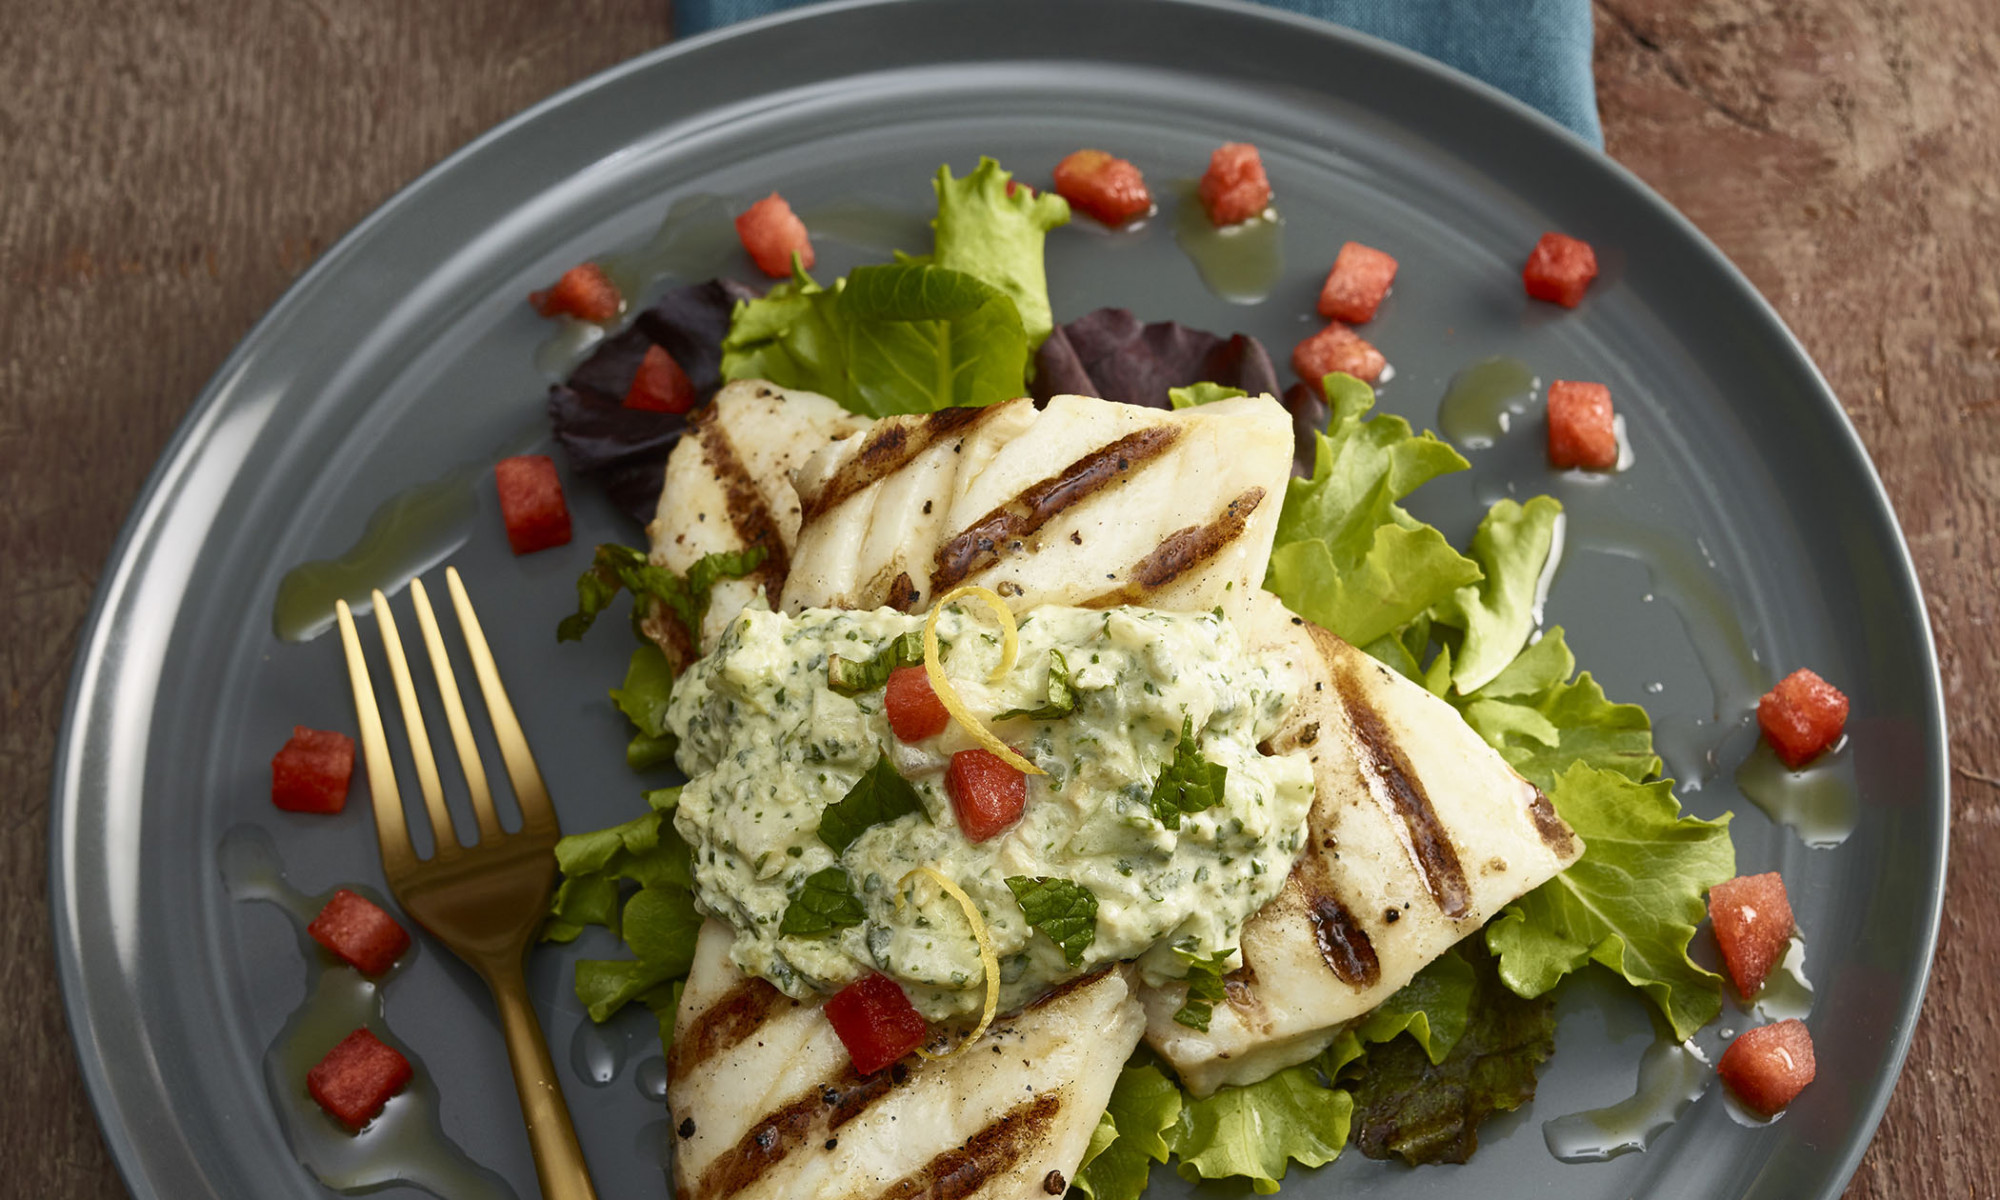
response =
{"points": [[406, 1143]]}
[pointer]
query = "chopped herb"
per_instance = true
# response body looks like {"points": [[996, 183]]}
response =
{"points": [[617, 568], [825, 902], [848, 677], [881, 794], [1063, 911], [1062, 697], [1204, 988], [1188, 784]]}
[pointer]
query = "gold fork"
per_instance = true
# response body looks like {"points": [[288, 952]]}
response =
{"points": [[483, 901]]}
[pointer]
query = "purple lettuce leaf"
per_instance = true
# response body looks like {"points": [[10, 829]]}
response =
{"points": [[624, 450]]}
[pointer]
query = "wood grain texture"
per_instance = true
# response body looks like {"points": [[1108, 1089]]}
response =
{"points": [[172, 166]]}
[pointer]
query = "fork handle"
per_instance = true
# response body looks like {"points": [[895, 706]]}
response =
{"points": [[559, 1164]]}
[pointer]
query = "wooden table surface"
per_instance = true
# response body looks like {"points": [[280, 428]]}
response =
{"points": [[170, 167]]}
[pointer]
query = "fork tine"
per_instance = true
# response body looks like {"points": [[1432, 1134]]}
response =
{"points": [[454, 712], [413, 721], [398, 855], [537, 813]]}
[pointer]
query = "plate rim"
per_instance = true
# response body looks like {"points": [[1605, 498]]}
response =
{"points": [[113, 581]]}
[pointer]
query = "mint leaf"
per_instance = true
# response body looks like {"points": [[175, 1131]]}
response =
{"points": [[1542, 722], [615, 568], [847, 677], [1631, 902], [1512, 547], [1432, 1008], [1201, 393], [1256, 1131], [1426, 1108], [1063, 911], [1347, 556], [1205, 988], [825, 902], [1144, 1108], [997, 238], [1189, 783], [881, 794], [1062, 697]]}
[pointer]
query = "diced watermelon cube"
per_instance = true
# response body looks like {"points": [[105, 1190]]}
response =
{"points": [[1559, 269], [357, 1077], [531, 502], [583, 292], [1767, 1067], [1802, 717], [355, 929], [876, 1022], [1360, 277], [772, 233], [1336, 348], [1753, 924], [311, 773], [1235, 188], [987, 792], [1583, 430], [1110, 189], [912, 705], [659, 385]]}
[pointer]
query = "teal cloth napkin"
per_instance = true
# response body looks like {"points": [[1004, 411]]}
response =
{"points": [[1537, 50]]}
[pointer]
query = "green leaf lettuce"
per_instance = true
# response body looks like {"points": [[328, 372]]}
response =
{"points": [[1347, 556], [1631, 902], [1496, 615], [992, 236]]}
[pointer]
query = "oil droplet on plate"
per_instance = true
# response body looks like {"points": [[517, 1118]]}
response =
{"points": [[1672, 1076], [1482, 401], [1241, 263], [651, 1078], [1787, 994], [406, 1142], [597, 1052], [1821, 802], [655, 1143], [408, 534]]}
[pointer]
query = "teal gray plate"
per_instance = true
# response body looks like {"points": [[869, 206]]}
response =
{"points": [[408, 353]]}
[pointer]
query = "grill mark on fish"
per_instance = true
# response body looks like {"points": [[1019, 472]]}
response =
{"points": [[807, 1118], [674, 639], [1180, 552], [1343, 944], [1555, 832], [982, 543], [1394, 782], [903, 594], [724, 1024], [889, 447], [993, 1151], [749, 516]]}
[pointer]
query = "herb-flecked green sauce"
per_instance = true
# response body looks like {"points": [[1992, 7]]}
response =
{"points": [[768, 747]]}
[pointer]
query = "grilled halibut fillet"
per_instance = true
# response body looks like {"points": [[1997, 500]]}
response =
{"points": [[765, 1103], [1086, 502], [1419, 832], [729, 487]]}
